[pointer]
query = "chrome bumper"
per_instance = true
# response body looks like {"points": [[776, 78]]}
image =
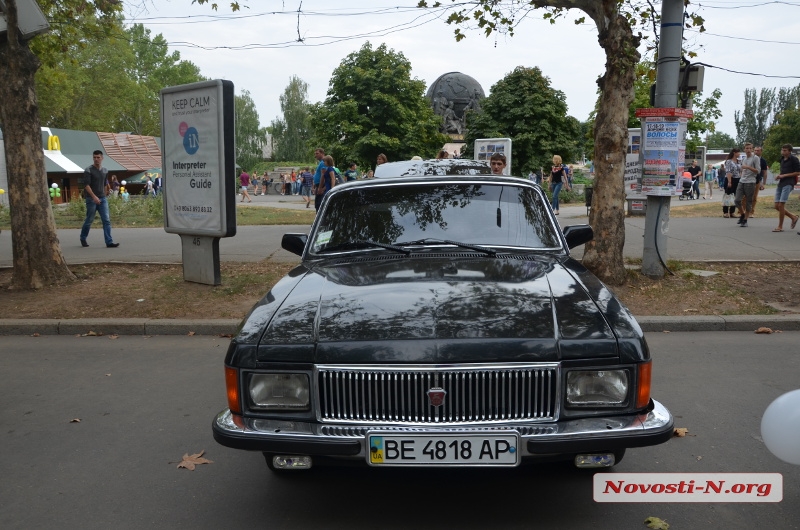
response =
{"points": [[572, 436]]}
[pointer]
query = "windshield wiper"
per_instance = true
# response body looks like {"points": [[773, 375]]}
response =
{"points": [[426, 240], [364, 243]]}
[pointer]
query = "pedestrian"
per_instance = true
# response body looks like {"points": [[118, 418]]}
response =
{"points": [[709, 177], [114, 186], [148, 187], [695, 171], [498, 163], [157, 185], [721, 176], [442, 155], [293, 183], [287, 184], [351, 173], [381, 159], [370, 174], [557, 180], [328, 177], [319, 154], [761, 180], [750, 168], [244, 181], [790, 169], [265, 182], [94, 178], [731, 183], [306, 181]]}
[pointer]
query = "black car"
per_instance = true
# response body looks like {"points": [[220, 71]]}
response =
{"points": [[439, 321]]}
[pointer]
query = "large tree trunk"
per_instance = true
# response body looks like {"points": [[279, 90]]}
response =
{"points": [[36, 250], [603, 255]]}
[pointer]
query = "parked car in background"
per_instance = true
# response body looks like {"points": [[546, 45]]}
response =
{"points": [[439, 321]]}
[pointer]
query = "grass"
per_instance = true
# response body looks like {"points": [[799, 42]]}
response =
{"points": [[139, 212]]}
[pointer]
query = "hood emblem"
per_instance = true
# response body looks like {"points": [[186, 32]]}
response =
{"points": [[436, 396]]}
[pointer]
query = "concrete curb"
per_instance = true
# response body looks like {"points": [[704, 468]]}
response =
{"points": [[223, 327], [113, 326]]}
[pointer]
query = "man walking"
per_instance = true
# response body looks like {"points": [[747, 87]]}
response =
{"points": [[319, 154], [94, 178], [695, 170], [761, 179], [790, 169], [751, 167]]}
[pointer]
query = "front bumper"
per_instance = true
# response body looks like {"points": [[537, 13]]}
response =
{"points": [[584, 435]]}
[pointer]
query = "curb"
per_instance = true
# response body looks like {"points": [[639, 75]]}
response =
{"points": [[228, 327]]}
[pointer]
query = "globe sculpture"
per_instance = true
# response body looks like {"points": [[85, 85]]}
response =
{"points": [[451, 96]]}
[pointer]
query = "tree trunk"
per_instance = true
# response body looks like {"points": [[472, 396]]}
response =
{"points": [[37, 254], [603, 255]]}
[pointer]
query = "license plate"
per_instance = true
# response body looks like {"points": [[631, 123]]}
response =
{"points": [[498, 448]]}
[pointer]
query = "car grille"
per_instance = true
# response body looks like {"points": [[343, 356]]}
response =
{"points": [[473, 394]]}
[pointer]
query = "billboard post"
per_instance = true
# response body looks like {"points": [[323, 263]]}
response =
{"points": [[198, 167]]}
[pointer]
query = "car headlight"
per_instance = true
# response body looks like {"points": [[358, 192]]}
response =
{"points": [[597, 388], [279, 391]]}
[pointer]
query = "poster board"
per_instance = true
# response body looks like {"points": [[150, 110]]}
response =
{"points": [[486, 147], [663, 149], [198, 159]]}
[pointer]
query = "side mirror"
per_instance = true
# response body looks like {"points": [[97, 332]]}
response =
{"points": [[578, 235], [294, 243]]}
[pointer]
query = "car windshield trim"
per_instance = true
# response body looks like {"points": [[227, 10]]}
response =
{"points": [[364, 244], [433, 240]]}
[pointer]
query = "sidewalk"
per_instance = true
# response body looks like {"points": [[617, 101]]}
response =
{"points": [[689, 239]]}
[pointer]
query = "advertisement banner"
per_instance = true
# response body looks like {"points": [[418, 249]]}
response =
{"points": [[663, 149], [196, 179]]}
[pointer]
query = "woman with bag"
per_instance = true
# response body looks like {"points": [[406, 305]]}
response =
{"points": [[558, 178], [328, 178], [732, 176]]}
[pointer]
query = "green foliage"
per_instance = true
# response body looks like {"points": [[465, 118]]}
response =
{"points": [[291, 133], [754, 120], [720, 140], [374, 106], [110, 81], [786, 130], [249, 135], [706, 112], [524, 107]]}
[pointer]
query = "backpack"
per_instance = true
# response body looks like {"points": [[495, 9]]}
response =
{"points": [[339, 178]]}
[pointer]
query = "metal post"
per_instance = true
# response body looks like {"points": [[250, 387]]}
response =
{"points": [[656, 224]]}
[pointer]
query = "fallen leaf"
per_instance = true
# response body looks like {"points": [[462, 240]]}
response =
{"points": [[191, 333], [108, 375], [75, 420], [35, 335], [189, 462], [763, 329], [140, 300], [656, 524], [690, 310], [112, 337], [225, 335], [92, 334], [699, 458], [680, 432], [665, 331]]}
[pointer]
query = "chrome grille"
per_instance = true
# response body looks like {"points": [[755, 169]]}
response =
{"points": [[475, 393]]}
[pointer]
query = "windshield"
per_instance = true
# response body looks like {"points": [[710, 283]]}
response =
{"points": [[485, 214]]}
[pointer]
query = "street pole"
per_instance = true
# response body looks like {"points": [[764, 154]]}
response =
{"points": [[656, 224]]}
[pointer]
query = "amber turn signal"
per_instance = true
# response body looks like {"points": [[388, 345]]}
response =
{"points": [[643, 389], [232, 386]]}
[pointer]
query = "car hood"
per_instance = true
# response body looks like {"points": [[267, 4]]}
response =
{"points": [[433, 310]]}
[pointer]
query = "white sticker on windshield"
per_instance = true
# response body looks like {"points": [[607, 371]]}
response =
{"points": [[323, 238]]}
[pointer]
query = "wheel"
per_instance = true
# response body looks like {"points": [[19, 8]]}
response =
{"points": [[278, 187], [680, 198]]}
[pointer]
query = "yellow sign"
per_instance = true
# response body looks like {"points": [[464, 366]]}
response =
{"points": [[53, 143]]}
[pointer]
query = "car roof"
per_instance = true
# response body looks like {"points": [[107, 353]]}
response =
{"points": [[433, 167]]}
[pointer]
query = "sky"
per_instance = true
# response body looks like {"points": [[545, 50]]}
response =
{"points": [[261, 47]]}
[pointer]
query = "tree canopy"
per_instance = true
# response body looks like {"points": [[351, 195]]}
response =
{"points": [[524, 107], [785, 130], [111, 82], [249, 134], [291, 133], [374, 106]]}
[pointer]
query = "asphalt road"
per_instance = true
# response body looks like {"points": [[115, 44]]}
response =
{"points": [[688, 239], [145, 401]]}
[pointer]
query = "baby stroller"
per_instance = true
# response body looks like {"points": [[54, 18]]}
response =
{"points": [[688, 191]]}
